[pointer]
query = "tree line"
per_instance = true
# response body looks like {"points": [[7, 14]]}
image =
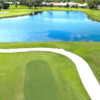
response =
{"points": [[93, 4]]}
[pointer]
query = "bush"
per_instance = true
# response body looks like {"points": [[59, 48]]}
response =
{"points": [[1, 6], [93, 4], [67, 5], [30, 5], [5, 5]]}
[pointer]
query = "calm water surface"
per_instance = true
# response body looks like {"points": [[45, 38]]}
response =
{"points": [[50, 26]]}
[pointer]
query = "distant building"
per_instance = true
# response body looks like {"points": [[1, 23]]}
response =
{"points": [[72, 4], [98, 7], [9, 3], [12, 3], [61, 4], [85, 5]]}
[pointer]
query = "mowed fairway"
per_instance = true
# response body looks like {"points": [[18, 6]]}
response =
{"points": [[39, 76]]}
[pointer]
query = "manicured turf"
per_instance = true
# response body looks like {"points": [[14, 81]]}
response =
{"points": [[38, 76], [14, 12], [90, 51], [23, 10]]}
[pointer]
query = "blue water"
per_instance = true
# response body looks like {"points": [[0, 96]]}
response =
{"points": [[50, 26]]}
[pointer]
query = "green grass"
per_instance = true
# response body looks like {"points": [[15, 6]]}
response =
{"points": [[30, 75], [23, 10], [15, 12], [46, 76], [39, 76], [90, 51]]}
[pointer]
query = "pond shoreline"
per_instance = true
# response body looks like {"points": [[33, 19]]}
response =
{"points": [[89, 12], [14, 16]]}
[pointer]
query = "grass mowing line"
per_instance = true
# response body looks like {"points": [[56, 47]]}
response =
{"points": [[83, 68], [39, 82]]}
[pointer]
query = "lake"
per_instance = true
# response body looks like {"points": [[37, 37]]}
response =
{"points": [[50, 26]]}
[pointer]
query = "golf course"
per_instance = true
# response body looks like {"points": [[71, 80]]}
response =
{"points": [[44, 75], [49, 49]]}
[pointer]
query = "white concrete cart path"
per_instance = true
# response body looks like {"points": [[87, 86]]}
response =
{"points": [[86, 75]]}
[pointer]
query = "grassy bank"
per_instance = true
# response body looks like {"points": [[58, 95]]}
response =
{"points": [[38, 75], [23, 10], [14, 13]]}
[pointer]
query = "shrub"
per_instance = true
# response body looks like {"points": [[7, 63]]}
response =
{"points": [[67, 5], [93, 4], [5, 5], [1, 6]]}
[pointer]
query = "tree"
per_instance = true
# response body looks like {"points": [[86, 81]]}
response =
{"points": [[80, 1], [1, 6], [93, 4], [5, 5], [35, 3]]}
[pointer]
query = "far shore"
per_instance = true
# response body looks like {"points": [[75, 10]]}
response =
{"points": [[93, 14]]}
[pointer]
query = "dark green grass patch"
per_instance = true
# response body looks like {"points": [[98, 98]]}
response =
{"points": [[39, 82]]}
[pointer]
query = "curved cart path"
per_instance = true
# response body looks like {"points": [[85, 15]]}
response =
{"points": [[86, 75]]}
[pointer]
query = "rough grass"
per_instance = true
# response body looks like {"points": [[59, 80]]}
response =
{"points": [[39, 76]]}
